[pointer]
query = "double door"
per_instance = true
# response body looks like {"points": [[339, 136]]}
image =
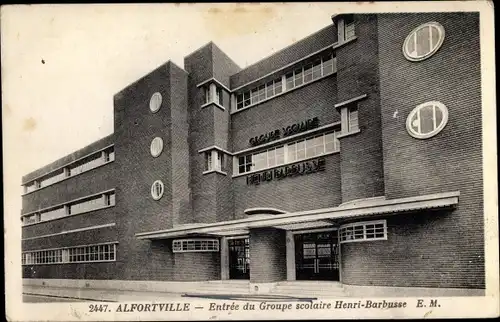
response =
{"points": [[317, 256], [239, 258]]}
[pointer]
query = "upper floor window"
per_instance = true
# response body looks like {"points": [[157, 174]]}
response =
{"points": [[157, 189], [349, 118], [349, 27], [292, 152], [318, 67], [423, 41], [427, 120], [156, 146], [215, 161], [155, 102]]}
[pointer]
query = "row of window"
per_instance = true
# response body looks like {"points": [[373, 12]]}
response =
{"points": [[291, 152], [361, 231], [195, 245], [78, 254], [319, 67], [81, 206], [90, 162]]}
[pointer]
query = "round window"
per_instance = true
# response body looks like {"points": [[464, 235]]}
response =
{"points": [[157, 189], [423, 41], [156, 146], [427, 120], [155, 102]]}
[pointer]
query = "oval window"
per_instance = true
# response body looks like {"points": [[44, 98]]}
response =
{"points": [[427, 120], [423, 41], [156, 146], [157, 189], [155, 102]]}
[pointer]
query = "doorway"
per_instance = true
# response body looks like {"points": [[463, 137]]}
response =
{"points": [[239, 258], [317, 256]]}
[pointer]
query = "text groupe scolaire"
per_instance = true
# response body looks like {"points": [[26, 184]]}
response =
{"points": [[313, 305]]}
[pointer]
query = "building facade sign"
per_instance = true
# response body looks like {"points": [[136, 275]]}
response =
{"points": [[286, 131], [297, 169]]}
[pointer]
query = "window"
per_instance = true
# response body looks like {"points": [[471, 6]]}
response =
{"points": [[109, 155], [215, 161], [207, 98], [362, 231], [71, 208], [349, 27], [427, 120], [423, 41], [54, 177], [155, 102], [292, 152], [157, 189], [93, 203], [213, 94], [353, 119], [156, 146], [195, 245], [86, 164], [91, 253], [349, 118], [321, 66]]}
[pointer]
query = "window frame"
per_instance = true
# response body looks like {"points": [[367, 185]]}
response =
{"points": [[412, 36], [155, 98], [182, 245], [363, 225], [157, 197], [160, 147], [289, 148], [287, 80], [437, 129]]}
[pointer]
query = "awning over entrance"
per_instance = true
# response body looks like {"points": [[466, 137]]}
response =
{"points": [[318, 217]]}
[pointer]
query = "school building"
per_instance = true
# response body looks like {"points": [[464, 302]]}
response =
{"points": [[353, 155]]}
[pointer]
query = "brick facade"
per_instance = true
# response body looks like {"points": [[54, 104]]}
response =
{"points": [[423, 249]]}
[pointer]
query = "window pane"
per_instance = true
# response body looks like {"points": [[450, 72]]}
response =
{"points": [[278, 86], [298, 77], [292, 150], [254, 96], [310, 148], [423, 43], [262, 93], [317, 69], [410, 46], [301, 150], [327, 65], [289, 81], [434, 36], [270, 89], [308, 73], [426, 119], [280, 155]]}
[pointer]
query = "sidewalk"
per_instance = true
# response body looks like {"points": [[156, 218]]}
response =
{"points": [[114, 295], [101, 295]]}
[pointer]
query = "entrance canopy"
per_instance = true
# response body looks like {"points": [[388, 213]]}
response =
{"points": [[312, 218]]}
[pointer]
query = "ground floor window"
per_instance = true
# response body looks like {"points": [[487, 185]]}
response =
{"points": [[363, 231], [239, 258], [78, 254], [195, 245]]}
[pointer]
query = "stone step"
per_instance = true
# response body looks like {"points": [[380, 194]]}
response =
{"points": [[308, 294]]}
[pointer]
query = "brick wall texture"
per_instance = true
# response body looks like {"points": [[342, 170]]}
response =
{"points": [[425, 249]]}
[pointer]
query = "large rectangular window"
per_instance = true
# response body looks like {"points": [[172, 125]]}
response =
{"points": [[363, 231], [71, 208], [323, 65], [79, 254], [195, 245], [292, 152]]}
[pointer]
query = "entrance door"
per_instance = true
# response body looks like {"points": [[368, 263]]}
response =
{"points": [[316, 256], [239, 258]]}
